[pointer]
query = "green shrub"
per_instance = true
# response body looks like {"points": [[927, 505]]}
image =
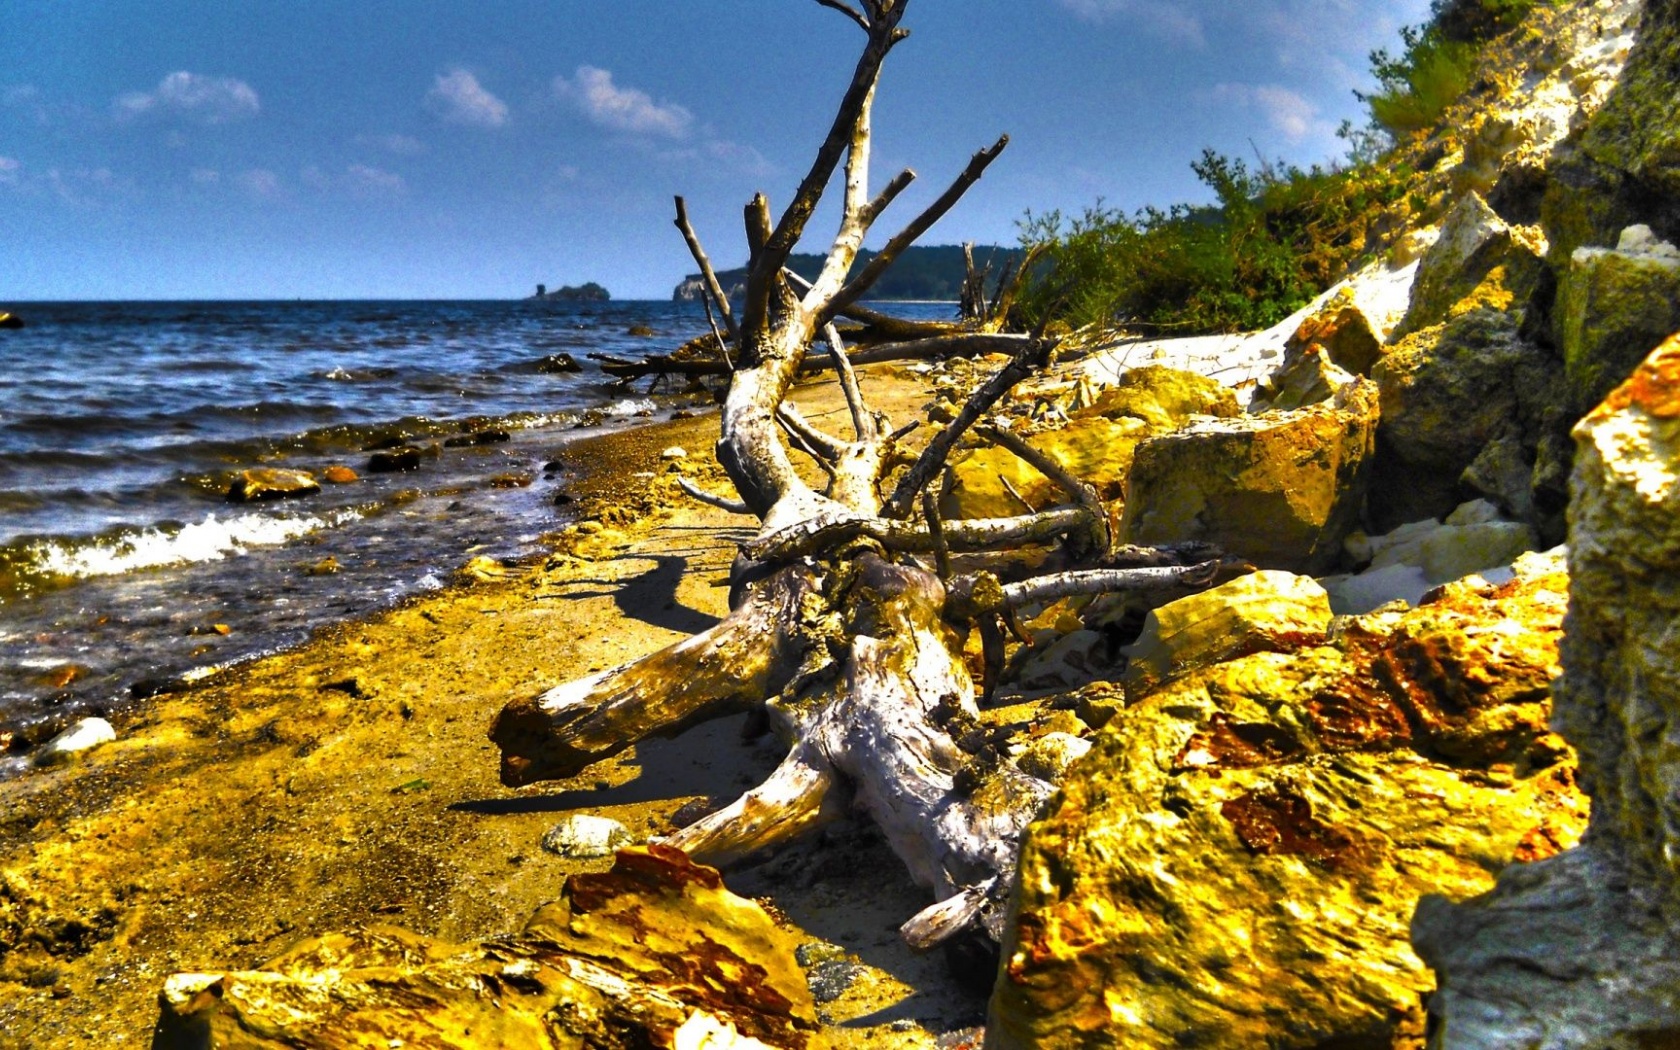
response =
{"points": [[1274, 240], [1437, 61]]}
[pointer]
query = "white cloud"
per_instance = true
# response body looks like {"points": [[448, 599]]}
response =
{"points": [[459, 98], [375, 182], [595, 95], [208, 100], [260, 183], [1289, 113], [1163, 17]]}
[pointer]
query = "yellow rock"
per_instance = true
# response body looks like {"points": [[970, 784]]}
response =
{"points": [[1237, 861], [1254, 613], [1280, 489], [654, 953]]}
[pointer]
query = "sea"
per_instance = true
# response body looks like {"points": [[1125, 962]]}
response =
{"points": [[126, 570]]}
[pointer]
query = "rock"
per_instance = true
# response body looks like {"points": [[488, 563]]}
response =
{"points": [[264, 483], [832, 978], [1478, 261], [328, 566], [340, 475], [1050, 756], [1342, 333], [558, 364], [1414, 559], [655, 953], [482, 569], [584, 837], [390, 461], [1448, 393], [10, 320], [1163, 397], [1307, 379], [512, 480], [640, 331], [674, 452], [491, 437], [1282, 489], [1584, 950], [84, 735], [1613, 306], [1236, 862], [1095, 445], [1260, 612]]}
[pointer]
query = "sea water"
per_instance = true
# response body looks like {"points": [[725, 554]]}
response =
{"points": [[125, 569]]}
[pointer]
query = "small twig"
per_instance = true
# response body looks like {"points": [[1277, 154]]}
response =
{"points": [[733, 506], [1016, 493], [847, 11], [936, 530]]}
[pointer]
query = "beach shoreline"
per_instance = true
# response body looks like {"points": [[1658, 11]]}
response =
{"points": [[350, 781]]}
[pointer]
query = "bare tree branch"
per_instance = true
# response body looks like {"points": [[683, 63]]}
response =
{"points": [[824, 446], [847, 11], [1106, 581], [714, 287], [733, 506], [862, 425], [936, 531], [815, 535], [855, 289], [1029, 356]]}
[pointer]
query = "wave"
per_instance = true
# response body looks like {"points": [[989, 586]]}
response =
{"points": [[130, 550]]}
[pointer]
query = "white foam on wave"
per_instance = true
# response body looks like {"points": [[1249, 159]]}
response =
{"points": [[630, 407], [212, 539]]}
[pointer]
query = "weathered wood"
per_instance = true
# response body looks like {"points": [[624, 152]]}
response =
{"points": [[714, 289], [930, 348]]}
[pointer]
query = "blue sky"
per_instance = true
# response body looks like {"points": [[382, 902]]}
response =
{"points": [[432, 149]]}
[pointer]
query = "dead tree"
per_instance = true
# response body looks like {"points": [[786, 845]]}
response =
{"points": [[842, 627]]}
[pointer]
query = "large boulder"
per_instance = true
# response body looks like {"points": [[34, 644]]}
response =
{"points": [[1449, 393], [1584, 950], [1095, 445], [1281, 489], [1236, 862], [1612, 307], [1478, 261], [655, 953]]}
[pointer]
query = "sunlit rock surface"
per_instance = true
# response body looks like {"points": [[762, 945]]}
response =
{"points": [[1583, 951], [1282, 489], [655, 953], [1237, 861]]}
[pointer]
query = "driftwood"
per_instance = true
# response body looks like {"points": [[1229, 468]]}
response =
{"points": [[847, 627], [929, 348]]}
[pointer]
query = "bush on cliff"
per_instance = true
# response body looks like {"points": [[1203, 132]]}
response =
{"points": [[1274, 239]]}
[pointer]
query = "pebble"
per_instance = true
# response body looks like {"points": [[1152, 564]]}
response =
{"points": [[674, 452], [85, 735], [830, 980], [341, 475], [583, 837], [271, 483], [557, 364]]}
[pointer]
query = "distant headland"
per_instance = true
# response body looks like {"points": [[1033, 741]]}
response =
{"points": [[579, 293], [922, 272]]}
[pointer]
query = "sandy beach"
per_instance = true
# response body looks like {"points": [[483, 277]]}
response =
{"points": [[350, 782]]}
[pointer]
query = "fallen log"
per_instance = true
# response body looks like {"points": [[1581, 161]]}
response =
{"points": [[930, 348]]}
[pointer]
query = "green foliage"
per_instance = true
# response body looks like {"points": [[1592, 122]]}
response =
{"points": [[1275, 239], [1437, 61]]}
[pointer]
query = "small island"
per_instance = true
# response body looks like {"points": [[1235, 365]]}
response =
{"points": [[589, 292]]}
